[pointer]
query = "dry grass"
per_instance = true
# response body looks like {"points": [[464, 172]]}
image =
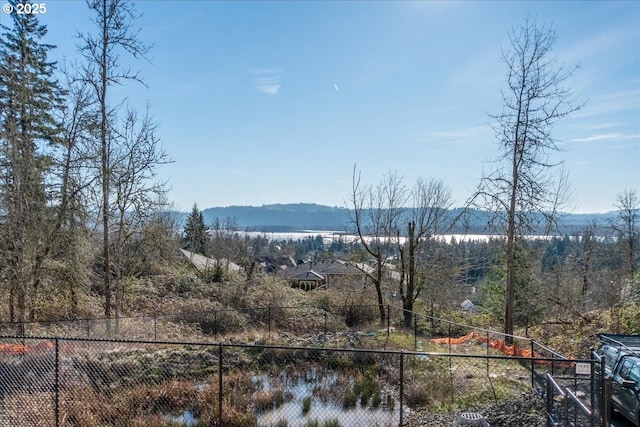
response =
{"points": [[41, 409], [428, 383], [154, 404], [576, 335]]}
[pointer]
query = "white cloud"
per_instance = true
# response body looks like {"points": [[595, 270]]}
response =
{"points": [[460, 135], [605, 137], [596, 126], [268, 81], [598, 44], [626, 100]]}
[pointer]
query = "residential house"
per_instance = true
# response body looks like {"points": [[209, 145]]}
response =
{"points": [[203, 263], [325, 273]]}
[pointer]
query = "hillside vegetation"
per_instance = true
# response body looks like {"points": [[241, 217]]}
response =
{"points": [[169, 284], [87, 232]]}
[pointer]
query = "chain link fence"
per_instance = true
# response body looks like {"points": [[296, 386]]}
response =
{"points": [[84, 382], [328, 325], [325, 323]]}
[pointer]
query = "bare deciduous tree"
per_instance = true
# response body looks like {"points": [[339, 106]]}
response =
{"points": [[134, 162], [380, 215], [101, 71], [376, 215], [526, 186], [626, 227], [427, 216], [71, 177], [588, 240]]}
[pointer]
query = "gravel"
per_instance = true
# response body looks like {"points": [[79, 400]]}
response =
{"points": [[527, 411]]}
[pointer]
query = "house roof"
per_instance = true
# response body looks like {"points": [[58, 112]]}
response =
{"points": [[202, 262], [467, 305], [345, 268], [307, 275], [324, 269]]}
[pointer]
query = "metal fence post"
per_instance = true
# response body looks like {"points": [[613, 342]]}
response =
{"points": [[56, 385], [487, 358], [220, 384], [401, 387], [533, 378], [488, 345], [565, 412], [269, 322], [215, 324], [549, 403], [451, 367], [415, 332], [605, 395], [388, 320], [593, 390], [325, 325]]}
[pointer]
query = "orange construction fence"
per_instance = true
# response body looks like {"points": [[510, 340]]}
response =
{"points": [[22, 349], [500, 345]]}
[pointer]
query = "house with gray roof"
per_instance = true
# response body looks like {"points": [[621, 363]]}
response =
{"points": [[203, 263], [325, 273]]}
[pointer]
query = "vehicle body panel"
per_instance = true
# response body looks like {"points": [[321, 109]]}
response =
{"points": [[622, 368]]}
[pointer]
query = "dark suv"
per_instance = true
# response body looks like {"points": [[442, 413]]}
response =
{"points": [[622, 367], [625, 390]]}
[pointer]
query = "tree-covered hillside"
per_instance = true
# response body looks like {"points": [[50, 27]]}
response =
{"points": [[308, 216]]}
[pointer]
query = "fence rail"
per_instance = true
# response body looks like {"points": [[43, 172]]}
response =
{"points": [[95, 382], [324, 322], [581, 398]]}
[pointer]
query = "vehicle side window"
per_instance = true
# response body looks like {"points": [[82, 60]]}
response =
{"points": [[635, 374], [626, 368], [610, 354]]}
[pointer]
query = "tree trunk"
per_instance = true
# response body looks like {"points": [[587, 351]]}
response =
{"points": [[104, 163], [410, 297], [379, 273]]}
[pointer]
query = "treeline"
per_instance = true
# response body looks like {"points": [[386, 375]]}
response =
{"points": [[302, 216], [80, 204], [557, 276], [82, 211]]}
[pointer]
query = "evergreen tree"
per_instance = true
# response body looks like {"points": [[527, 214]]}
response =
{"points": [[29, 98], [527, 304], [195, 232]]}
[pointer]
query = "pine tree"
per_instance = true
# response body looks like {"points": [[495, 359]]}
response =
{"points": [[29, 98], [195, 232]]}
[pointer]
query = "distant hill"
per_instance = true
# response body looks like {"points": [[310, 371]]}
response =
{"points": [[478, 222], [310, 216], [283, 217]]}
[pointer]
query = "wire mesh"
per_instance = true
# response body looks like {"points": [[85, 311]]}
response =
{"points": [[92, 382], [80, 376]]}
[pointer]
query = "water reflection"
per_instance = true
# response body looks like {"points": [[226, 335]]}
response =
{"points": [[326, 392]]}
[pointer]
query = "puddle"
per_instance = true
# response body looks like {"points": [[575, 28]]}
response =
{"points": [[355, 417], [326, 394], [187, 418]]}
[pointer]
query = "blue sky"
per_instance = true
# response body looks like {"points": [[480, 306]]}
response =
{"points": [[274, 102]]}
